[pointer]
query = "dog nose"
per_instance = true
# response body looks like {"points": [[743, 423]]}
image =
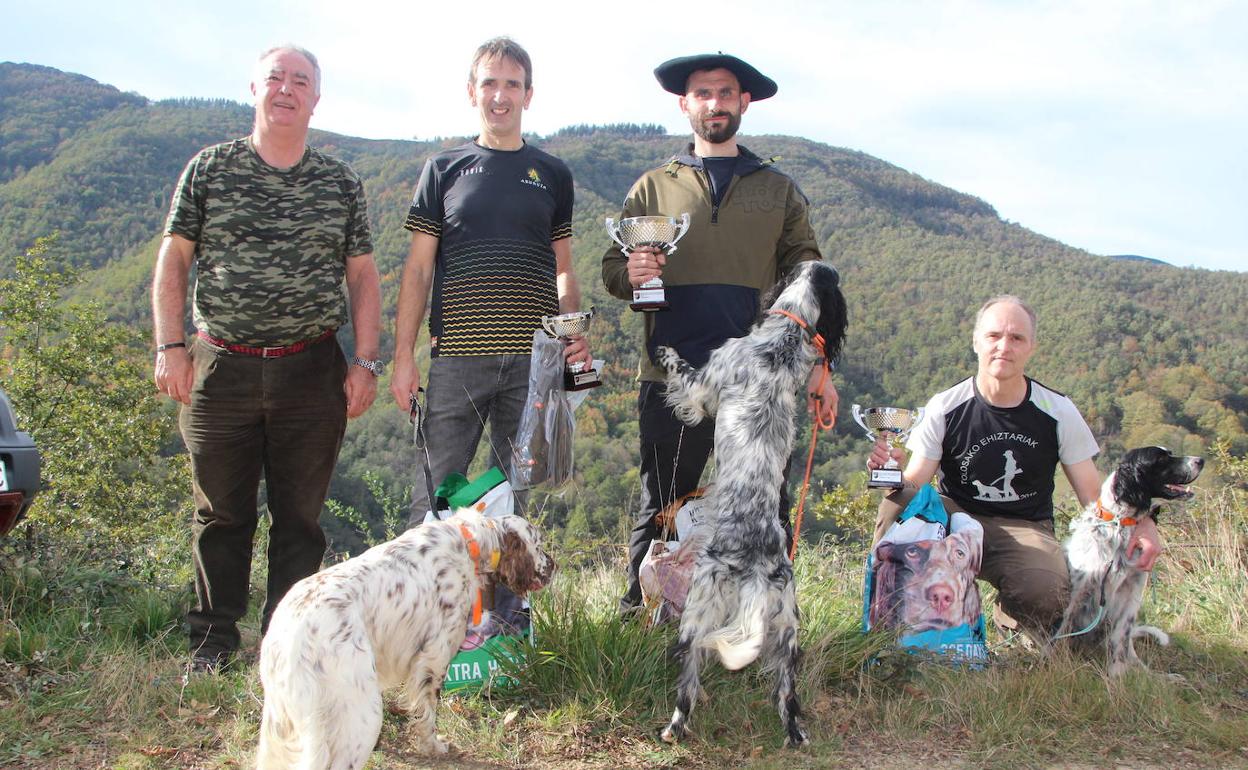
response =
{"points": [[940, 596]]}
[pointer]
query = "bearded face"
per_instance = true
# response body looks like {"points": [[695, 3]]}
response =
{"points": [[717, 126], [714, 103]]}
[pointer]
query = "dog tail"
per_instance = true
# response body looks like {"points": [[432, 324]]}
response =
{"points": [[277, 750], [1160, 636], [741, 641]]}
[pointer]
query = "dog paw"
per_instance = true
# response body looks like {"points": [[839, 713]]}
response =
{"points": [[796, 743], [667, 358], [430, 746], [671, 735]]}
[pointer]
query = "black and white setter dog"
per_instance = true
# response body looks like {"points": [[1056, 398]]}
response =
{"points": [[741, 599], [394, 615], [1106, 588]]}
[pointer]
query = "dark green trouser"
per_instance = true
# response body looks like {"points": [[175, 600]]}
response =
{"points": [[280, 417]]}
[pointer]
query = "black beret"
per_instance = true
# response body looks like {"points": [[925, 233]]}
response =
{"points": [[674, 74]]}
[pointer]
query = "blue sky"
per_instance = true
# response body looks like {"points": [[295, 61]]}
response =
{"points": [[1113, 126]]}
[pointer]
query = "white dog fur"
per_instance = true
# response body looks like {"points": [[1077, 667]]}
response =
{"points": [[395, 615]]}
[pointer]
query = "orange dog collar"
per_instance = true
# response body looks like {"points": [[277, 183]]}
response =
{"points": [[1125, 521], [815, 338]]}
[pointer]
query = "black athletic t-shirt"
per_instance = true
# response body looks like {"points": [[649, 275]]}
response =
{"points": [[495, 213], [1000, 461]]}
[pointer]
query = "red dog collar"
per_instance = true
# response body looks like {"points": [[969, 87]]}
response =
{"points": [[474, 551]]}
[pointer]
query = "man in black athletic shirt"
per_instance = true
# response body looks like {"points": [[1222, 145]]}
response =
{"points": [[491, 225], [995, 440]]}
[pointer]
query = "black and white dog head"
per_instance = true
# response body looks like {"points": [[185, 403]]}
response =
{"points": [[1153, 473], [812, 291]]}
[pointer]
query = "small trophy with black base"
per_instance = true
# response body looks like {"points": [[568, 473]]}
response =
{"points": [[894, 425], [577, 376]]}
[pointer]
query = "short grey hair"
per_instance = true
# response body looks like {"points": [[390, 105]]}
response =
{"points": [[305, 53], [502, 48], [1010, 298]]}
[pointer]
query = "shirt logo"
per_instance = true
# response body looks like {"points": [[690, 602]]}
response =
{"points": [[473, 170], [534, 179]]}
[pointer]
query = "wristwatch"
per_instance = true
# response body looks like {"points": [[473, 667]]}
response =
{"points": [[376, 367]]}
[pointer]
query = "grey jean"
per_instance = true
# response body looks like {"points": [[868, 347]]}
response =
{"points": [[462, 393]]}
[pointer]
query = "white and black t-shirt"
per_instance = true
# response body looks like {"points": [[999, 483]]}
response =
{"points": [[997, 461]]}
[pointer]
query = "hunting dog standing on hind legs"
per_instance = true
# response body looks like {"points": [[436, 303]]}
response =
{"points": [[742, 601], [1106, 586], [394, 615]]}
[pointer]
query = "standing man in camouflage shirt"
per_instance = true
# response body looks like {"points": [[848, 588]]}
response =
{"points": [[274, 229]]}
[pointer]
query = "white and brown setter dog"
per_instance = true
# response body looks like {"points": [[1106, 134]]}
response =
{"points": [[395, 615], [741, 600], [1106, 587]]}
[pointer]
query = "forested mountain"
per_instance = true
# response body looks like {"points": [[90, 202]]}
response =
{"points": [[1152, 353]]}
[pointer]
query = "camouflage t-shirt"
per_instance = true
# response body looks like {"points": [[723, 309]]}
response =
{"points": [[271, 245]]}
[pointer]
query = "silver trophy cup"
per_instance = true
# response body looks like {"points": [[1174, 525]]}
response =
{"points": [[894, 425], [632, 233], [577, 376]]}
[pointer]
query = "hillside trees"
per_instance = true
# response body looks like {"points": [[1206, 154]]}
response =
{"points": [[80, 387]]}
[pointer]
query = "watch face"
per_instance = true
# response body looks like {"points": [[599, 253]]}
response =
{"points": [[376, 367]]}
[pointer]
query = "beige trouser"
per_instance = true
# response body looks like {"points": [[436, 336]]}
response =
{"points": [[1023, 560]]}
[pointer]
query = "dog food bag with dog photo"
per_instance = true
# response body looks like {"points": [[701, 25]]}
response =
{"points": [[920, 581], [508, 620]]}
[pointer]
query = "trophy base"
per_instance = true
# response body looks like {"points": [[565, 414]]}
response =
{"points": [[647, 300], [885, 478], [581, 380]]}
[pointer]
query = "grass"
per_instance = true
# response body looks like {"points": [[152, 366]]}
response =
{"points": [[90, 664]]}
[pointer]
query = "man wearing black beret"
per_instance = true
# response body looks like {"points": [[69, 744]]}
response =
{"points": [[748, 227]]}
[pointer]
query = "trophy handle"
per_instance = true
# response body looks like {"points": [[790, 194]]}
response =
{"points": [[857, 410], [681, 229], [613, 230]]}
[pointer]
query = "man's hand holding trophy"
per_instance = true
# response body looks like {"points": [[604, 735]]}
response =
{"points": [[566, 327], [647, 242], [891, 425]]}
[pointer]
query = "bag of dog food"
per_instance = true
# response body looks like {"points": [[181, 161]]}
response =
{"points": [[920, 581], [667, 568]]}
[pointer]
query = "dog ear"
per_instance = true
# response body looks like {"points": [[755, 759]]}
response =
{"points": [[515, 567], [883, 593], [1131, 484], [833, 313]]}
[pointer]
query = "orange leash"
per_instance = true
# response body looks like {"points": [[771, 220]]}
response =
{"points": [[816, 426]]}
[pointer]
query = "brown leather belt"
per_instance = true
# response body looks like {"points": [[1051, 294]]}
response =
{"points": [[270, 352]]}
